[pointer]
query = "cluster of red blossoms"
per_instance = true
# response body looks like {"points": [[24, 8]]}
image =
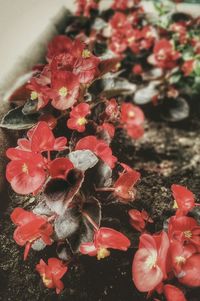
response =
{"points": [[174, 253], [58, 171], [29, 167], [84, 7], [71, 66], [125, 34]]}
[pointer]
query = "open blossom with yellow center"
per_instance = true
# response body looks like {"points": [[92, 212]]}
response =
{"points": [[34, 95], [86, 54], [102, 253], [63, 91], [25, 168]]}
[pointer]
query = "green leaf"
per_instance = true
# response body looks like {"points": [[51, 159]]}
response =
{"points": [[16, 120], [197, 68], [110, 87], [175, 78]]}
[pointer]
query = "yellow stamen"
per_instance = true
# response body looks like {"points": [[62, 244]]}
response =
{"points": [[34, 95], [149, 34], [188, 234], [63, 91], [175, 206], [131, 39], [25, 168], [102, 253], [86, 54], [180, 259], [45, 280], [131, 114], [151, 262], [81, 121]]}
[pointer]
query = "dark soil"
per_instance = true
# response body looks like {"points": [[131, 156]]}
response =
{"points": [[165, 155]]}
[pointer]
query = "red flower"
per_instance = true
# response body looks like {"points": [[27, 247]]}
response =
{"points": [[137, 69], [60, 167], [140, 39], [40, 93], [79, 60], [30, 227], [26, 171], [188, 67], [124, 186], [181, 31], [132, 119], [86, 64], [135, 132], [184, 199], [120, 29], [149, 264], [84, 7], [109, 128], [65, 89], [52, 272], [60, 44], [49, 119], [112, 109], [104, 239], [41, 138], [180, 253], [118, 43], [131, 115], [165, 55], [123, 4], [190, 274], [99, 147], [120, 23], [184, 229], [77, 120], [173, 293], [139, 219]]}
